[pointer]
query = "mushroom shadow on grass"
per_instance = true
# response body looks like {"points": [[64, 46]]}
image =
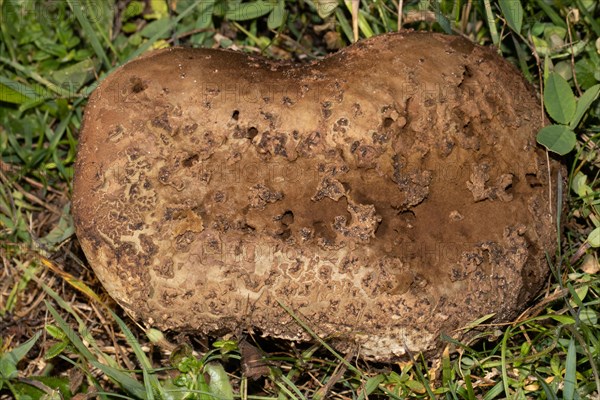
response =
{"points": [[387, 194]]}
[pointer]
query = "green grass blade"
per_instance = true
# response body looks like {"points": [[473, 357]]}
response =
{"points": [[522, 56], [591, 19], [503, 362], [370, 386], [90, 376], [583, 104], [108, 13], [292, 386], [318, 338], [36, 77], [8, 25], [494, 392], [18, 353], [570, 372], [150, 380], [441, 18], [550, 394], [125, 380], [76, 7], [344, 24], [364, 25], [469, 385], [83, 331], [489, 13], [167, 28], [553, 15], [148, 385], [70, 333], [424, 382]]}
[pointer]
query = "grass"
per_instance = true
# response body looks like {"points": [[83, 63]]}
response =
{"points": [[62, 337]]}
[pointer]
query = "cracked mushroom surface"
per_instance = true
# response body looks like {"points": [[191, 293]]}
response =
{"points": [[387, 194]]}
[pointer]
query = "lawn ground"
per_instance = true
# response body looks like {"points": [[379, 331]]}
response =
{"points": [[61, 336]]}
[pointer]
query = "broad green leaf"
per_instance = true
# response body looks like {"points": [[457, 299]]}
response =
{"points": [[582, 293], [8, 86], [73, 77], [174, 21], [8, 369], [547, 67], [580, 186], [204, 21], [31, 388], [133, 9], [570, 372], [441, 18], [247, 11], [594, 238], [557, 138], [588, 316], [62, 231], [564, 69], [277, 16], [55, 332], [559, 99], [583, 104], [585, 70], [226, 346], [55, 350], [160, 10], [415, 386], [513, 12], [9, 360], [326, 7], [9, 95], [219, 384], [541, 46], [158, 29], [371, 385], [155, 335], [18, 353]]}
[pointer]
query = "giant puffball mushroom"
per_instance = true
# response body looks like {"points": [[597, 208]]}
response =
{"points": [[386, 194]]}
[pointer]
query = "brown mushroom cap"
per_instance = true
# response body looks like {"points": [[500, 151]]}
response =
{"points": [[387, 194]]}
